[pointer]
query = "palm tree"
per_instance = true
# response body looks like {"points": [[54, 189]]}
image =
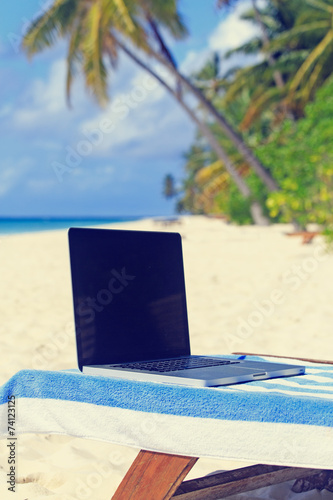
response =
{"points": [[208, 188], [228, 130], [313, 29], [297, 45], [94, 29], [169, 186], [211, 180], [265, 81]]}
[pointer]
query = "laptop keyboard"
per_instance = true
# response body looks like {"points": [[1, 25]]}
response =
{"points": [[170, 365]]}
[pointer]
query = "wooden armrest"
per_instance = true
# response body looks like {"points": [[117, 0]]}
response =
{"points": [[324, 362]]}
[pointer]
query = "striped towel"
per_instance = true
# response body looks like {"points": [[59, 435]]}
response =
{"points": [[284, 421]]}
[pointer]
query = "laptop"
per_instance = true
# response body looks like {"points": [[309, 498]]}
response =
{"points": [[131, 317]]}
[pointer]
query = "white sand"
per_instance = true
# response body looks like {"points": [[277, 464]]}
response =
{"points": [[248, 289]]}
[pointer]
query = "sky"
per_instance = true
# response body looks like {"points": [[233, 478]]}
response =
{"points": [[88, 161]]}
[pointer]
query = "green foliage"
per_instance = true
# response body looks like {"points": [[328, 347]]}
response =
{"points": [[231, 202], [283, 106], [295, 53], [296, 49], [300, 157]]}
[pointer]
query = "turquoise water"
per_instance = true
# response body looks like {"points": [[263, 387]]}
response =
{"points": [[28, 225]]}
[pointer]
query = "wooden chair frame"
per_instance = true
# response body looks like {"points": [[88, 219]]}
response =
{"points": [[159, 476]]}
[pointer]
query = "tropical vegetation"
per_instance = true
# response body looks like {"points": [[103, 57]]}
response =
{"points": [[282, 108], [103, 28], [246, 160]]}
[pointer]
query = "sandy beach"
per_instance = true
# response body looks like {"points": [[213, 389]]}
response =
{"points": [[249, 289]]}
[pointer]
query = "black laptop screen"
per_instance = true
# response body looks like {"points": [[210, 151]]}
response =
{"points": [[128, 294]]}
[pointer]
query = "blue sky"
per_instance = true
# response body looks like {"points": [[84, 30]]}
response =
{"points": [[85, 160]]}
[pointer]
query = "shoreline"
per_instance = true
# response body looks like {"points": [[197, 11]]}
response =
{"points": [[24, 225]]}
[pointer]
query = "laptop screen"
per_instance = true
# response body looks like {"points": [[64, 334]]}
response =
{"points": [[129, 295]]}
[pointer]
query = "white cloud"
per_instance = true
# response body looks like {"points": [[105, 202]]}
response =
{"points": [[147, 125], [10, 174], [233, 31], [51, 94], [44, 104], [37, 186], [88, 179], [135, 110], [43, 99], [5, 110], [47, 145], [194, 61], [7, 178], [139, 120]]}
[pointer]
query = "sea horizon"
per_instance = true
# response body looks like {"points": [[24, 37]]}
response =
{"points": [[15, 225]]}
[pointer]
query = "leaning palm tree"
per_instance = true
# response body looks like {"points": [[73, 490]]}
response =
{"points": [[105, 27]]}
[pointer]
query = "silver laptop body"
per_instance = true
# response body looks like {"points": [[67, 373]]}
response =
{"points": [[131, 317]]}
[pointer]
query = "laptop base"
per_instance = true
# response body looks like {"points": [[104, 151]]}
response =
{"points": [[211, 376]]}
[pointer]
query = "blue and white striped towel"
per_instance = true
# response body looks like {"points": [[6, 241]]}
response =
{"points": [[281, 421]]}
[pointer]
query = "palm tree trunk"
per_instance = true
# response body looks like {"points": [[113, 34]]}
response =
{"points": [[256, 209], [235, 138]]}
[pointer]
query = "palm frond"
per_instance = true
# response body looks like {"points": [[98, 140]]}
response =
{"points": [[246, 77], [125, 15], [251, 47], [210, 180], [73, 57], [166, 13], [49, 26], [311, 82], [93, 64], [308, 63], [258, 105], [320, 5], [128, 26], [205, 174], [286, 37]]}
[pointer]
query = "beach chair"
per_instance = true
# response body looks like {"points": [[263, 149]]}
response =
{"points": [[159, 476], [283, 424], [307, 236], [167, 221]]}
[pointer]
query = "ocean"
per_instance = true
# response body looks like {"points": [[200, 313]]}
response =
{"points": [[12, 225]]}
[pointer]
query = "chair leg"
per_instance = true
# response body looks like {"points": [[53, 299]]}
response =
{"points": [[227, 483], [154, 476]]}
